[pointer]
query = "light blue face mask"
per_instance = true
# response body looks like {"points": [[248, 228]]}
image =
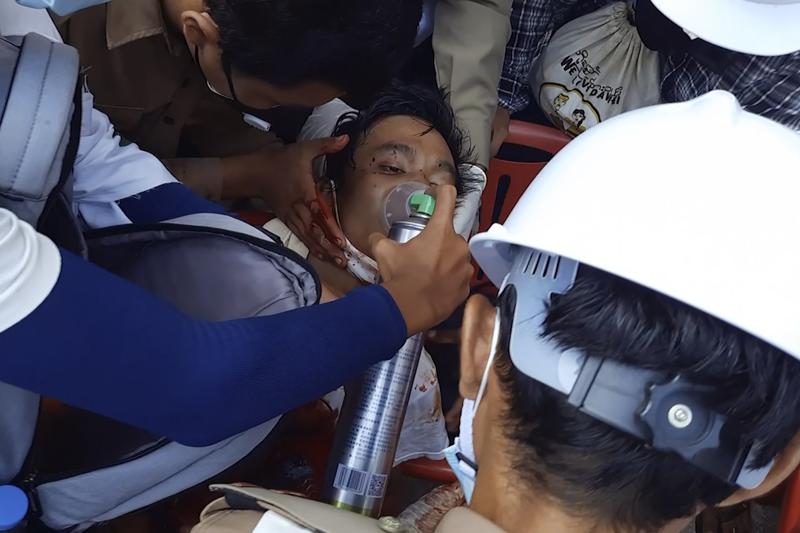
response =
{"points": [[461, 455], [61, 7]]}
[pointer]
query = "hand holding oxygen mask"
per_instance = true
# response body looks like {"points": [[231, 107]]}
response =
{"points": [[428, 277]]}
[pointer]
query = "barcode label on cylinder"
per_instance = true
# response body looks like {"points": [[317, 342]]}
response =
{"points": [[351, 480]]}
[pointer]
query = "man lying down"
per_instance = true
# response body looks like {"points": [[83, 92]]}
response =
{"points": [[406, 140]]}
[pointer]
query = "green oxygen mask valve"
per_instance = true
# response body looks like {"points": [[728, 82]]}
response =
{"points": [[397, 205], [422, 204]]}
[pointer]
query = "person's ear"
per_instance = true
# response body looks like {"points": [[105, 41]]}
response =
{"points": [[476, 343], [199, 29], [786, 463]]}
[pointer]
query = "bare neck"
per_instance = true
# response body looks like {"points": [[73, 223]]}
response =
{"points": [[336, 282], [516, 508]]}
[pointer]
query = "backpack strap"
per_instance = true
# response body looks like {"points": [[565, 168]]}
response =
{"points": [[39, 133], [58, 220], [208, 265]]}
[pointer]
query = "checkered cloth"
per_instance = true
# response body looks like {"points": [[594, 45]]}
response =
{"points": [[767, 86]]}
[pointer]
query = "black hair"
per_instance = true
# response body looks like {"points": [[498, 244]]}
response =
{"points": [[428, 105], [354, 45], [601, 473]]}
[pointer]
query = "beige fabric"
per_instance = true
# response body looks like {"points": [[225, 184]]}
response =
{"points": [[314, 515], [469, 42], [218, 517], [145, 79]]}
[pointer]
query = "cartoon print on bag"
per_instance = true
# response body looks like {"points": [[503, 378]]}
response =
{"points": [[576, 124], [572, 113], [560, 100]]}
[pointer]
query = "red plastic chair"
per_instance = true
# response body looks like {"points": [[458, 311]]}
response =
{"points": [[508, 180], [255, 217], [428, 469], [790, 510]]}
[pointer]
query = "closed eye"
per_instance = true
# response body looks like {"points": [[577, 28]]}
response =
{"points": [[391, 169]]}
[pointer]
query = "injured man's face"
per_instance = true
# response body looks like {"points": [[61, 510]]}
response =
{"points": [[396, 150], [407, 136]]}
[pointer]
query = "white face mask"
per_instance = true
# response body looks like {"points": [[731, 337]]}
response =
{"points": [[248, 118], [360, 265], [396, 207], [461, 455]]}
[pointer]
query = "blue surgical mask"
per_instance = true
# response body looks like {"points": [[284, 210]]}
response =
{"points": [[461, 455]]}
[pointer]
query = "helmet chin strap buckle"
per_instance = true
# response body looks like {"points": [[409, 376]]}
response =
{"points": [[667, 412]]}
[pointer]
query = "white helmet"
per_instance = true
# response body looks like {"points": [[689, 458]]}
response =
{"points": [[699, 201], [758, 27], [29, 267]]}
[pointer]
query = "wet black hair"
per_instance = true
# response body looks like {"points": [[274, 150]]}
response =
{"points": [[423, 103], [354, 45], [603, 474]]}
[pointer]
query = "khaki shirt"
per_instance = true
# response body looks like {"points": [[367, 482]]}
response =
{"points": [[299, 514], [469, 44], [145, 79]]}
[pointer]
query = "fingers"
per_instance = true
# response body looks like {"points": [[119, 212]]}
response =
{"points": [[303, 213], [334, 232], [327, 233], [500, 126], [299, 221], [381, 248], [334, 248], [497, 142], [377, 242], [444, 336], [445, 207], [499, 135], [331, 250], [291, 223]]}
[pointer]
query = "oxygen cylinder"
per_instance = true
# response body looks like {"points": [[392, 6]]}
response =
{"points": [[375, 406]]}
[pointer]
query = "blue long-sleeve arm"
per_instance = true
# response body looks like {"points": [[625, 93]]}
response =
{"points": [[102, 344]]}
